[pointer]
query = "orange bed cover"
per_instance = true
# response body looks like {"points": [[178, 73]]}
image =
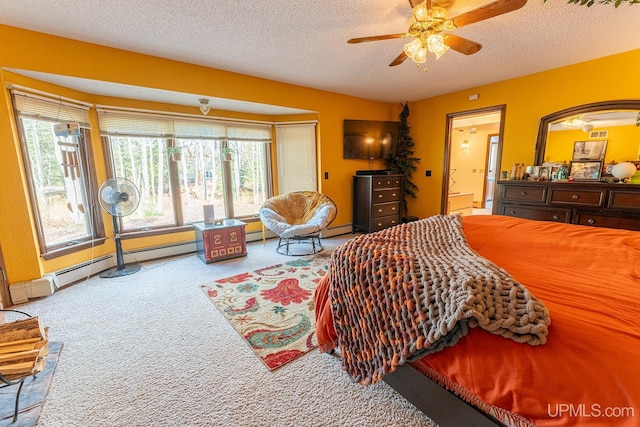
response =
{"points": [[588, 373]]}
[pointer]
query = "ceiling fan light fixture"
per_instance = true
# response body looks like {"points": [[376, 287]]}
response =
{"points": [[421, 12], [435, 42], [412, 48], [421, 56], [204, 106]]}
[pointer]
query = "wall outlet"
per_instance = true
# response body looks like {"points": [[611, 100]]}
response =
{"points": [[427, 173]]}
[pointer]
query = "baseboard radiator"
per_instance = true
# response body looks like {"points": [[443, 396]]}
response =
{"points": [[46, 285]]}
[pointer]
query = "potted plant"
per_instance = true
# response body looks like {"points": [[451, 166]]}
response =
{"points": [[175, 153], [227, 152]]}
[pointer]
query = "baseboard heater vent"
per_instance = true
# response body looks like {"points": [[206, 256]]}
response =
{"points": [[156, 252], [46, 285]]}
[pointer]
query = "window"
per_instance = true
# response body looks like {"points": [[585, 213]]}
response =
{"points": [[297, 157], [56, 148], [180, 164]]}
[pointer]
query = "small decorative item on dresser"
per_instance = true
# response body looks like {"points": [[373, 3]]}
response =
{"points": [[623, 171], [588, 170], [518, 171]]}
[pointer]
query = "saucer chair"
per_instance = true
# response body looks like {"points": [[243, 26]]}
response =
{"points": [[298, 217]]}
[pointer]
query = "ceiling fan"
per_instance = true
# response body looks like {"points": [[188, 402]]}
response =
{"points": [[429, 27]]}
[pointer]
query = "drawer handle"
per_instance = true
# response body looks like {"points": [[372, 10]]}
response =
{"points": [[591, 221], [556, 217], [393, 195], [379, 196], [379, 210], [379, 224], [575, 197], [393, 208], [393, 222], [523, 193]]}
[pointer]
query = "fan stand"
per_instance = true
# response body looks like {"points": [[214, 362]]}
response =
{"points": [[121, 269]]}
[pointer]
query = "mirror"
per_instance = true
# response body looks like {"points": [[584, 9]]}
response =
{"points": [[600, 131]]}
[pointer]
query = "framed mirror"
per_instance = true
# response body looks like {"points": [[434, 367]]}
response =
{"points": [[605, 131]]}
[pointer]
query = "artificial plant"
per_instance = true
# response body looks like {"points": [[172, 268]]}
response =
{"points": [[405, 163]]}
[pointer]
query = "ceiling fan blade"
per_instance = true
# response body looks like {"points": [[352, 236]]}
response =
{"points": [[462, 45], [376, 38], [488, 11], [414, 3], [399, 60]]}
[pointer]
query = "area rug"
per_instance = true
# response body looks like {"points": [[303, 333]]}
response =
{"points": [[34, 391], [272, 307]]}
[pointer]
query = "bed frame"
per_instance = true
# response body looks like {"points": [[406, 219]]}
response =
{"points": [[436, 402]]}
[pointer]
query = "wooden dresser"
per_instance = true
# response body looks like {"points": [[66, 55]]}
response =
{"points": [[376, 202], [596, 204]]}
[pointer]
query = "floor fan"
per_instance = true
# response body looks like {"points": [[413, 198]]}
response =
{"points": [[119, 197]]}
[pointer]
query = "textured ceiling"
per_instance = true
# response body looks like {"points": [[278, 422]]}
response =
{"points": [[304, 42]]}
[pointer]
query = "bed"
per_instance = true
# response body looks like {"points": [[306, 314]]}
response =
{"points": [[587, 370]]}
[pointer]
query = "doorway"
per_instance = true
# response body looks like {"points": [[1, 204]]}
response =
{"points": [[473, 151]]}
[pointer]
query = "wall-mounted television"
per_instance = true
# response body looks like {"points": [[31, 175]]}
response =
{"points": [[370, 139]]}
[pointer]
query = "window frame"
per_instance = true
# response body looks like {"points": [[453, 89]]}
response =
{"points": [[96, 235], [174, 175]]}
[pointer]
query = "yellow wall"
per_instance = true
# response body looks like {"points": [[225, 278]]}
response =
{"points": [[623, 144], [34, 51], [527, 99]]}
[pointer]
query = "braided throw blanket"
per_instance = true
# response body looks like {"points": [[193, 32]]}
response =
{"points": [[416, 288]]}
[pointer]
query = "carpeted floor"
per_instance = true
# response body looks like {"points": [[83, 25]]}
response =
{"points": [[150, 350]]}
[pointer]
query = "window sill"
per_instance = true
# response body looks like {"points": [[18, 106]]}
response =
{"points": [[66, 250]]}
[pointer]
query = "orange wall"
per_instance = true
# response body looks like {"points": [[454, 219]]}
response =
{"points": [[30, 50], [527, 99]]}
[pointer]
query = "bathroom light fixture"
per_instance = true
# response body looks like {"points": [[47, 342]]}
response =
{"points": [[204, 106]]}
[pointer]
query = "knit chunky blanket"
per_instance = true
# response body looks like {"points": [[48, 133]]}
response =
{"points": [[406, 291]]}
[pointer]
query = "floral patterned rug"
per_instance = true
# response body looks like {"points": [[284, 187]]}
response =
{"points": [[272, 308]]}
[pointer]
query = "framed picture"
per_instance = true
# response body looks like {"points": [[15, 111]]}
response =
{"points": [[589, 150], [585, 170], [544, 173]]}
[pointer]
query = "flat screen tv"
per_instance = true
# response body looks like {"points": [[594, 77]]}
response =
{"points": [[370, 139]]}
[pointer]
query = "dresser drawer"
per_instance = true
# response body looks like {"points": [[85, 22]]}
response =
{"points": [[384, 222], [596, 219], [536, 213], [384, 209], [386, 182], [524, 194], [382, 196], [620, 199], [577, 197]]}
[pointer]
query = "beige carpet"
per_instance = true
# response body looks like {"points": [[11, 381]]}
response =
{"points": [[150, 350]]}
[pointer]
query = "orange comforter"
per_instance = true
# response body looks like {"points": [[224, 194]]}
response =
{"points": [[588, 373]]}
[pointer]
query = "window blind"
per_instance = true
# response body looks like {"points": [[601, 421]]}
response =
{"points": [[296, 149], [51, 109], [121, 122]]}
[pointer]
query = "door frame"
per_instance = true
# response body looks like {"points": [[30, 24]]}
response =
{"points": [[486, 168], [502, 109]]}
